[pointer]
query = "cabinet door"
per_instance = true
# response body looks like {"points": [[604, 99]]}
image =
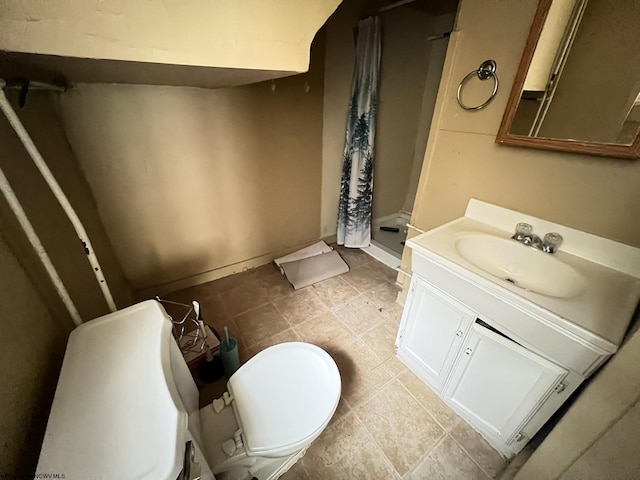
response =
{"points": [[432, 332], [498, 384]]}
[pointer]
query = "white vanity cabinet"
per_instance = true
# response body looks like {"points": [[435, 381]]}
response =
{"points": [[505, 333], [506, 391]]}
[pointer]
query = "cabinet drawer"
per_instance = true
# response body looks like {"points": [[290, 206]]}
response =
{"points": [[525, 327]]}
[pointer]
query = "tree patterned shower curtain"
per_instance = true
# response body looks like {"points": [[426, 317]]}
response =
{"points": [[356, 187]]}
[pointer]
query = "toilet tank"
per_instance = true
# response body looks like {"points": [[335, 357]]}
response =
{"points": [[123, 400]]}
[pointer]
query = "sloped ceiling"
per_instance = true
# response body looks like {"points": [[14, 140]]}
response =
{"points": [[171, 42]]}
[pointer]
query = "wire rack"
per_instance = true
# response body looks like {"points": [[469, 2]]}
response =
{"points": [[192, 342]]}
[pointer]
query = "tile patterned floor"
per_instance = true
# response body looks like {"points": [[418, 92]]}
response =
{"points": [[388, 425]]}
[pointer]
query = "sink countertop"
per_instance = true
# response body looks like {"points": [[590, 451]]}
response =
{"points": [[600, 315]]}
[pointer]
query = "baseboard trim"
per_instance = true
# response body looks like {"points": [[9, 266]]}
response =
{"points": [[217, 273]]}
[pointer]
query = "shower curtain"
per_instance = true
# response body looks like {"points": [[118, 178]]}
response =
{"points": [[356, 186]]}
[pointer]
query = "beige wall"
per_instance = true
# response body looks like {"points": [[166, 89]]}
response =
{"points": [[437, 49], [255, 34], [48, 219], [190, 181], [593, 194], [31, 350]]}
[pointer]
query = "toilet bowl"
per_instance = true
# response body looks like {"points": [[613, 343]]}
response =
{"points": [[281, 399], [126, 406]]}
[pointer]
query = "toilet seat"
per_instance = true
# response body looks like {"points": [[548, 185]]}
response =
{"points": [[284, 397]]}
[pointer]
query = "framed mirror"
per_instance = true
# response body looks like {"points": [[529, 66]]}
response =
{"points": [[577, 88]]}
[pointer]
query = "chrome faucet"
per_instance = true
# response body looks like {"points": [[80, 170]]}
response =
{"points": [[524, 234]]}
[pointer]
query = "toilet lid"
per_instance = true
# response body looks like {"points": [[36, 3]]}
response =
{"points": [[284, 397]]}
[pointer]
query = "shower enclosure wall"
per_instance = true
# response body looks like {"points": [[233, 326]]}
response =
{"points": [[414, 44], [387, 246]]}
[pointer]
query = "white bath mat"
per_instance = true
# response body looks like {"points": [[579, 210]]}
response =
{"points": [[312, 250], [305, 272]]}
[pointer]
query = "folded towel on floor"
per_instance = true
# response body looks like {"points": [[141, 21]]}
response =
{"points": [[312, 250], [305, 272]]}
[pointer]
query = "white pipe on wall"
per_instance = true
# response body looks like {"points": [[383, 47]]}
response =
{"points": [[60, 196], [20, 214]]}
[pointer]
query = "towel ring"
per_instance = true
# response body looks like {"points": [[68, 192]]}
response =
{"points": [[486, 70]]}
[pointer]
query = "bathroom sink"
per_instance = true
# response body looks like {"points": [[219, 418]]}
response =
{"points": [[520, 265], [590, 287]]}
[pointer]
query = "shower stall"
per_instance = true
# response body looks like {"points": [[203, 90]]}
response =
{"points": [[414, 44], [387, 242]]}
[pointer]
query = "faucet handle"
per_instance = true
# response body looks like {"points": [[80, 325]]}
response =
{"points": [[522, 229], [551, 242]]}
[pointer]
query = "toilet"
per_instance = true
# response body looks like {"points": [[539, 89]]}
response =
{"points": [[126, 406]]}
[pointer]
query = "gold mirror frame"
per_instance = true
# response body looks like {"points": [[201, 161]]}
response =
{"points": [[575, 146]]}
